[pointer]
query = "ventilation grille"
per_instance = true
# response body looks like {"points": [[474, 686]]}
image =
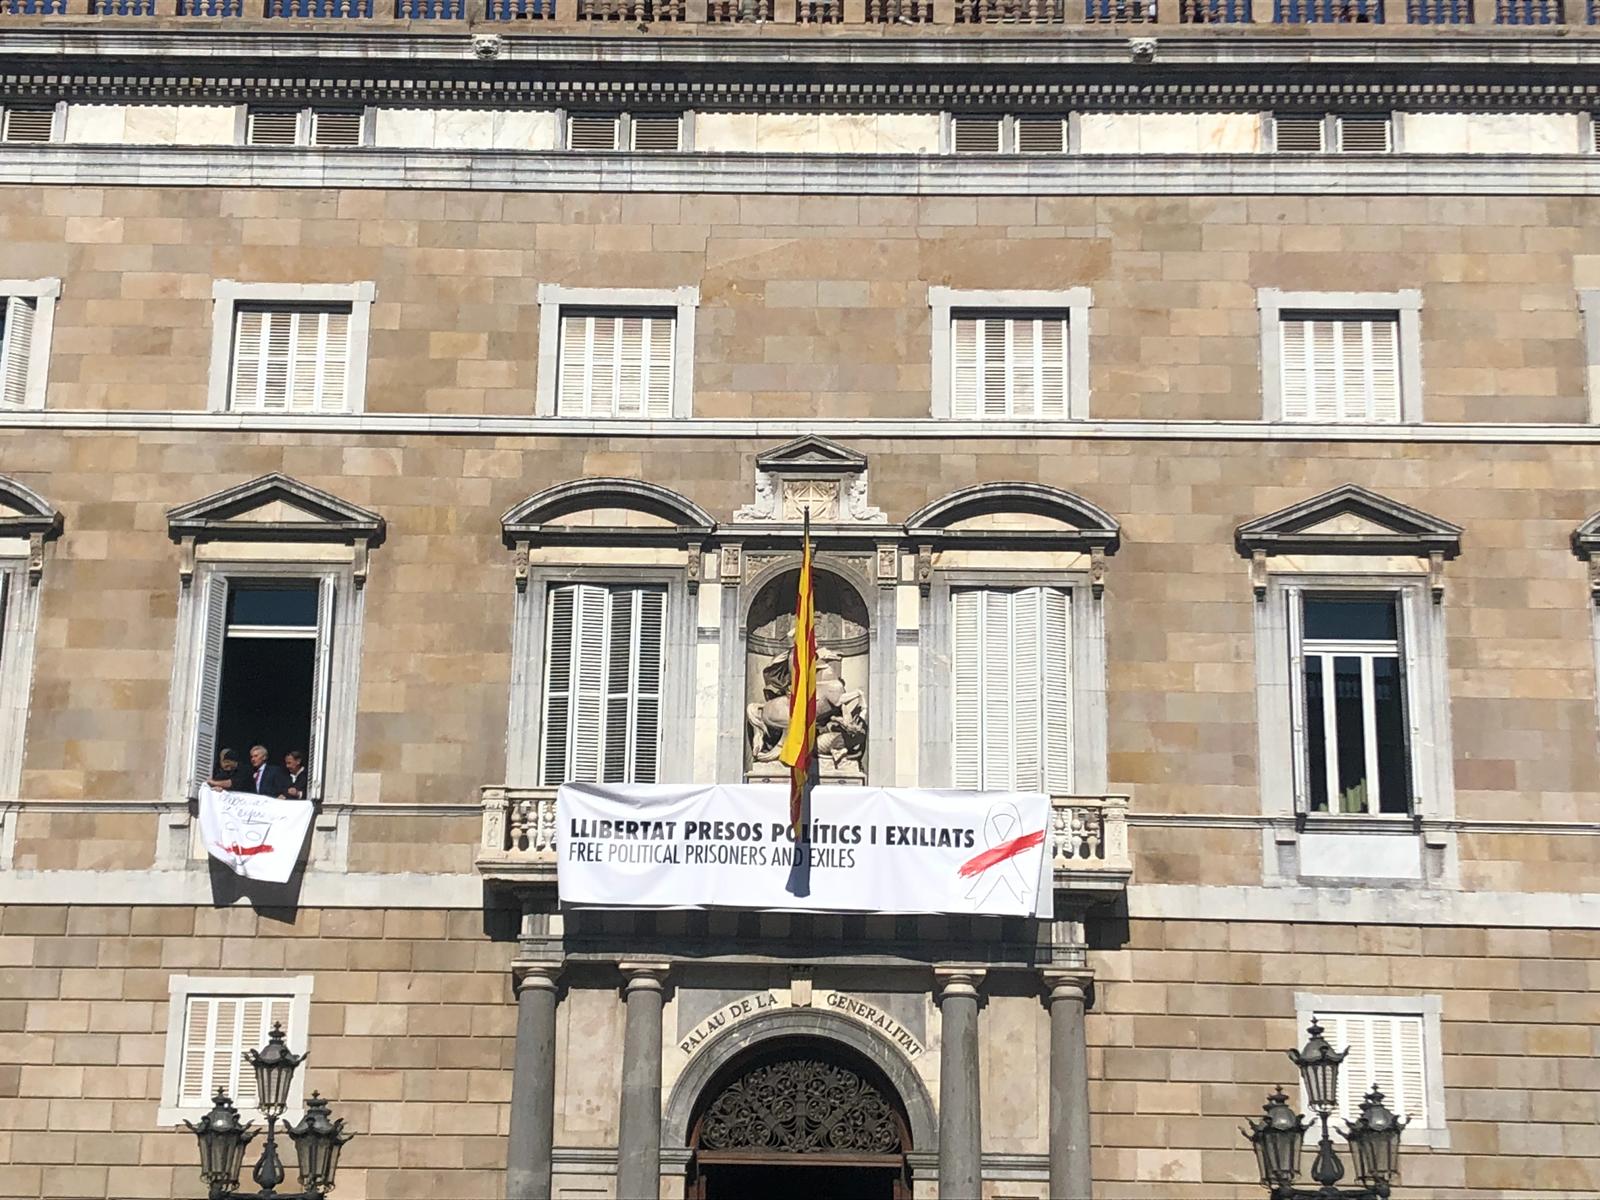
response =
{"points": [[1041, 135], [1594, 133], [592, 131], [976, 135], [272, 127], [656, 131], [1364, 135], [31, 123], [338, 127], [1297, 134]]}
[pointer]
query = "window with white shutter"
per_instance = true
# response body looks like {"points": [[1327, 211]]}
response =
{"points": [[272, 127], [594, 131], [290, 359], [656, 131], [1348, 133], [1298, 133], [1011, 678], [1009, 365], [1395, 1044], [1368, 133], [976, 134], [615, 364], [1340, 367], [16, 348], [1040, 134], [212, 1022], [336, 126], [604, 660], [304, 126], [28, 123]]}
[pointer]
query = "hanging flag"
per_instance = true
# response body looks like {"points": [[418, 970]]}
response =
{"points": [[799, 749]]}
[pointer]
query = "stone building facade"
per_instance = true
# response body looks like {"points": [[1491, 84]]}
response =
{"points": [[1264, 358]]}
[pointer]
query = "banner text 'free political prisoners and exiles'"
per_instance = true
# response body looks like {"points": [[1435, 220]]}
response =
{"points": [[864, 849]]}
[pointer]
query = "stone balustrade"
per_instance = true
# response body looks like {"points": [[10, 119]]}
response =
{"points": [[1088, 836]]}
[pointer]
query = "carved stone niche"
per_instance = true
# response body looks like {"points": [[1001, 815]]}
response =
{"points": [[815, 474], [843, 652]]}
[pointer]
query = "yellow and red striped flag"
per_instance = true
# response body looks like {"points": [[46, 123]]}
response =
{"points": [[799, 748]]}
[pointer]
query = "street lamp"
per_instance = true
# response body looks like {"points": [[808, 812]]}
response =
{"points": [[1277, 1137], [222, 1135]]}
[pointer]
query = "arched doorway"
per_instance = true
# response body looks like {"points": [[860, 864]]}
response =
{"points": [[799, 1119]]}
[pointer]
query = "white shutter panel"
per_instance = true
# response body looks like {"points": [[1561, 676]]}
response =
{"points": [[16, 350], [656, 131], [208, 677], [964, 368], [29, 123], [249, 352], [966, 676], [1383, 367], [995, 364], [1294, 370], [560, 622], [1297, 701], [1052, 368], [588, 685], [651, 655], [336, 127], [592, 131], [603, 338], [1027, 699], [1322, 368], [253, 1031], [1410, 1073], [975, 134], [659, 337], [272, 127], [194, 1070], [277, 353], [999, 715], [632, 366], [1298, 133], [1056, 664], [1040, 135], [321, 688], [622, 629], [577, 357]]}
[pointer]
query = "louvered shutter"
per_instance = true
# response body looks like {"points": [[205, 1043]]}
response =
{"points": [[1340, 368], [649, 652], [1012, 689], [1298, 133], [290, 360], [29, 123], [217, 1031], [1387, 1050], [615, 365], [272, 127], [656, 131], [1363, 134], [1297, 699], [208, 677], [1380, 351], [1594, 132], [1041, 135], [975, 134], [1008, 367], [321, 687], [336, 127], [16, 350], [560, 626], [593, 131], [588, 685]]}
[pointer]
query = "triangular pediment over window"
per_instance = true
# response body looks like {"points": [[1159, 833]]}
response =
{"points": [[810, 454], [1349, 520], [1028, 513], [274, 508]]}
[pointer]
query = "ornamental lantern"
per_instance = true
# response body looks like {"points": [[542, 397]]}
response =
{"points": [[1374, 1139], [1319, 1070], [274, 1065], [222, 1137], [1277, 1139], [318, 1138]]}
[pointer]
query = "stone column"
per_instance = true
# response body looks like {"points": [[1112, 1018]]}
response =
{"points": [[533, 1084], [960, 1128], [1070, 1174], [639, 1127]]}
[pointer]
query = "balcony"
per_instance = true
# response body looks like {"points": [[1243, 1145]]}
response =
{"points": [[1088, 836]]}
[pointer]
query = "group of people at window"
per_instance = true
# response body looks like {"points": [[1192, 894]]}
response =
{"points": [[263, 777]]}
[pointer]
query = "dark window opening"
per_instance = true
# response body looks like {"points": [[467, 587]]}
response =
{"points": [[267, 686]]}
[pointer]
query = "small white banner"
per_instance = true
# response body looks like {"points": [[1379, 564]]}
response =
{"points": [[872, 850], [258, 837]]}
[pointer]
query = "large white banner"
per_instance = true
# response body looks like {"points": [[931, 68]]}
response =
{"points": [[258, 837], [873, 850]]}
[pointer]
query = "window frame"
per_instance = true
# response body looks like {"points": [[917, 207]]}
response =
{"points": [[44, 293], [1406, 304], [180, 988], [1436, 1133], [1589, 311], [19, 622], [58, 120], [1088, 667], [529, 649], [1075, 302], [227, 295], [554, 299]]}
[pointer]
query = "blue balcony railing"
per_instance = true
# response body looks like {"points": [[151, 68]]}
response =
{"points": [[31, 8], [1530, 12], [1106, 12], [431, 10], [522, 10], [306, 9], [1329, 12], [1214, 12], [122, 8], [1439, 12]]}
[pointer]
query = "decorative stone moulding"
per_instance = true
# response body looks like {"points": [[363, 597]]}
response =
{"points": [[274, 508], [1586, 545], [669, 519], [26, 514], [812, 473], [1349, 521]]}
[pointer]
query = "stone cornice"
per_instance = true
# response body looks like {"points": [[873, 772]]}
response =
{"points": [[806, 174]]}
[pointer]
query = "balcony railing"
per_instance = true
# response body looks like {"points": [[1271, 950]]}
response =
{"points": [[819, 12], [1214, 12], [899, 12], [431, 10], [1329, 12], [1088, 836], [1439, 12], [635, 11], [1011, 12], [321, 9], [521, 10], [1106, 12]]}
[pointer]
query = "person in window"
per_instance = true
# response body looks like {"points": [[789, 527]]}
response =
{"points": [[294, 765], [267, 778], [231, 776]]}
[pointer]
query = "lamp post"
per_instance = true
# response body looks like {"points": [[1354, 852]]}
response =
{"points": [[1278, 1137], [318, 1137]]}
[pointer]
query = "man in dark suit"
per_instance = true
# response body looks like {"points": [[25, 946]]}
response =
{"points": [[266, 778], [294, 765]]}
